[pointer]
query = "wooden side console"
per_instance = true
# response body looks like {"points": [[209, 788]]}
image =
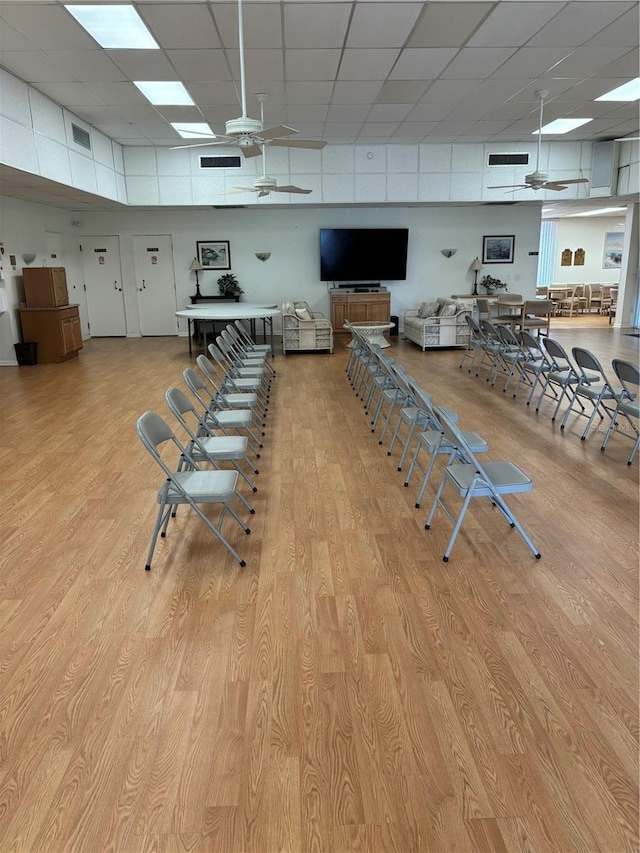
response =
{"points": [[358, 308]]}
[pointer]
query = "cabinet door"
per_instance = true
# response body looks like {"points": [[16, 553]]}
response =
{"points": [[338, 313], [68, 335], [59, 280], [76, 332], [359, 310], [379, 310]]}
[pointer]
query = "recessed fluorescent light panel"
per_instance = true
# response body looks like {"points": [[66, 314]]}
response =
{"points": [[627, 92], [563, 125], [114, 27], [164, 92], [601, 212], [193, 129]]}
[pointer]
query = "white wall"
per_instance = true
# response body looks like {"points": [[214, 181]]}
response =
{"points": [[292, 237], [588, 233]]}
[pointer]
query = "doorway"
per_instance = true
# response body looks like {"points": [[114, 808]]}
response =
{"points": [[103, 280], [155, 285]]}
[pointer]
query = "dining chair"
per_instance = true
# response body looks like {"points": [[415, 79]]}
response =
{"points": [[193, 487], [536, 316]]}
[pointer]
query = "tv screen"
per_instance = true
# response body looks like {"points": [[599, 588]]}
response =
{"points": [[363, 254]]}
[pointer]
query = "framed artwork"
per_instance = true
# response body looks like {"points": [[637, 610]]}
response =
{"points": [[214, 254], [498, 250], [613, 246], [566, 258]]}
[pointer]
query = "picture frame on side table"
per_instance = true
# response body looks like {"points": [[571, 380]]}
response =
{"points": [[214, 254], [498, 249]]}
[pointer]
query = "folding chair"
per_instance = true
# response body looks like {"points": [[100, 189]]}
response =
{"points": [[237, 379], [475, 342], [222, 419], [491, 348], [626, 402], [510, 356], [225, 396], [256, 364], [594, 387], [473, 480], [192, 487], [249, 343], [433, 440], [535, 365], [244, 352], [204, 445], [562, 375]]}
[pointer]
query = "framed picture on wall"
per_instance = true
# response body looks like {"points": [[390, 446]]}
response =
{"points": [[613, 246], [214, 254], [498, 250]]}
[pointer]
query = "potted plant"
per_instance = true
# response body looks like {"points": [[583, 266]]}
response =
{"points": [[228, 285], [490, 284]]}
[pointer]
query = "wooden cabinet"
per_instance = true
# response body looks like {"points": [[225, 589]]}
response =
{"points": [[45, 287], [57, 332], [359, 308]]}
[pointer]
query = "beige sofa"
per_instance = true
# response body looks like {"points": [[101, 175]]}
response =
{"points": [[304, 329], [438, 323]]}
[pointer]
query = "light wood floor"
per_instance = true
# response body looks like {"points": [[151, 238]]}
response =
{"points": [[347, 690]]}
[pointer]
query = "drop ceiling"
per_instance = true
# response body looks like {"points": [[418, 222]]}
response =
{"points": [[345, 71]]}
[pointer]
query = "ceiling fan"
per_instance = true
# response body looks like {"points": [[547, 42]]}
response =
{"points": [[540, 180], [264, 185], [248, 133]]}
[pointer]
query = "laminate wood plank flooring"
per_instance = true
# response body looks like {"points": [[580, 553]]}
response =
{"points": [[346, 690]]}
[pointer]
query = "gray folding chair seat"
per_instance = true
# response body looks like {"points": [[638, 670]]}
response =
{"points": [[626, 403], [245, 340], [593, 387], [251, 365], [222, 419], [472, 480], [192, 487], [233, 380], [227, 398]]}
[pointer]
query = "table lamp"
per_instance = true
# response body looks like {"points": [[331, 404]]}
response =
{"points": [[195, 267], [476, 266]]}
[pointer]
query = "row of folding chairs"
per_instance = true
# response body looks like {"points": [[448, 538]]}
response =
{"points": [[543, 366], [223, 427], [403, 412]]}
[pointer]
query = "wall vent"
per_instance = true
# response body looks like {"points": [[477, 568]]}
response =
{"points": [[80, 136], [508, 160], [219, 162]]}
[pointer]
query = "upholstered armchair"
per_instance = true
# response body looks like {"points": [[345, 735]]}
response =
{"points": [[304, 329], [439, 323]]}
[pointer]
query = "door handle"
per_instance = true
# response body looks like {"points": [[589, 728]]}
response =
{"points": [[115, 286], [144, 286]]}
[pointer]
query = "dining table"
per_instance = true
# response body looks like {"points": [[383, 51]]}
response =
{"points": [[229, 312]]}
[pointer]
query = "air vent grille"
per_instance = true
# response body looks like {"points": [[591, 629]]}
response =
{"points": [[508, 160], [81, 137], [219, 162]]}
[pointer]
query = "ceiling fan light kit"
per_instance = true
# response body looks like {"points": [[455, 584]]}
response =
{"points": [[540, 180]]}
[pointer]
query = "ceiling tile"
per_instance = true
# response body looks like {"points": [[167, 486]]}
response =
{"points": [[389, 112], [366, 64], [315, 25], [477, 62], [446, 91], [422, 63], [624, 31], [513, 24], [261, 22], [298, 113], [214, 93], [47, 26], [34, 67], [401, 91], [447, 24], [585, 61], [415, 129], [69, 94], [117, 93], [627, 66], [259, 65], [143, 64], [532, 62], [316, 93], [382, 24], [10, 39], [180, 25], [348, 112], [86, 65], [430, 112], [578, 22], [356, 92], [306, 65], [196, 65]]}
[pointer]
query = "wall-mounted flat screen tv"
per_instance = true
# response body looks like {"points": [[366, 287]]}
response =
{"points": [[363, 254]]}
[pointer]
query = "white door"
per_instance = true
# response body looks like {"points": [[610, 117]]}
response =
{"points": [[103, 280], [155, 285]]}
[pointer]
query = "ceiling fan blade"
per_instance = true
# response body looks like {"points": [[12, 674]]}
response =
{"points": [[569, 181], [554, 186], [251, 150], [290, 189], [263, 193], [298, 143], [508, 187], [276, 132], [240, 190], [219, 141]]}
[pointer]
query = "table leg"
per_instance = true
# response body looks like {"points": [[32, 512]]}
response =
{"points": [[189, 332]]}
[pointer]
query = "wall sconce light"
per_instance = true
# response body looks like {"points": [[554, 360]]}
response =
{"points": [[476, 266], [263, 256], [29, 257], [195, 266], [448, 253]]}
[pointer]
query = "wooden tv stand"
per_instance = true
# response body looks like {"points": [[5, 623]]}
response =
{"points": [[358, 308]]}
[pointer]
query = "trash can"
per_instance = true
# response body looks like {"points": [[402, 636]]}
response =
{"points": [[394, 329], [27, 353]]}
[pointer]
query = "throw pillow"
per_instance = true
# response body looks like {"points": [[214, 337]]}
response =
{"points": [[428, 309], [303, 314], [447, 310]]}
